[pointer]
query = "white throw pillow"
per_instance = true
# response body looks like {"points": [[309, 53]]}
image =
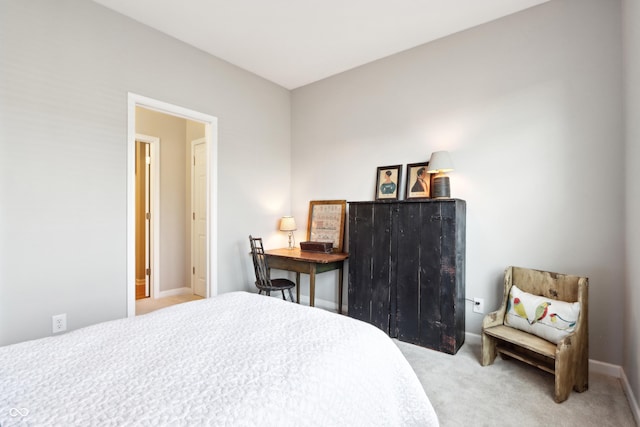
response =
{"points": [[547, 318]]}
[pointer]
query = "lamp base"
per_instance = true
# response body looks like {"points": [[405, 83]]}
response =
{"points": [[441, 188]]}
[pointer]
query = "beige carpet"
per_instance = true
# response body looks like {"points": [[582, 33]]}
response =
{"points": [[511, 393]]}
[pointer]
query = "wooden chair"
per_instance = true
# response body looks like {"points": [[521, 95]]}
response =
{"points": [[261, 267], [568, 360]]}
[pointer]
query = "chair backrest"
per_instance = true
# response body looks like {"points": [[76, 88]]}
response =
{"points": [[260, 265], [557, 286], [563, 287]]}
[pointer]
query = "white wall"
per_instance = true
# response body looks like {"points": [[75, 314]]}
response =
{"points": [[66, 68], [530, 108], [631, 24]]}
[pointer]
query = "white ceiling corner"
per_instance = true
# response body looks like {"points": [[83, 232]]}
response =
{"points": [[294, 43]]}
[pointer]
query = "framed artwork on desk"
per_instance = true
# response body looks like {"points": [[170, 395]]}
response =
{"points": [[326, 222]]}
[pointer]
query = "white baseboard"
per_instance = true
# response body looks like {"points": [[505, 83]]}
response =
{"points": [[605, 368], [323, 304], [617, 372], [174, 292], [633, 401], [472, 338]]}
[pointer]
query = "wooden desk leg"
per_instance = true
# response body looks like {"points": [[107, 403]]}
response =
{"points": [[340, 290], [297, 287], [312, 285]]}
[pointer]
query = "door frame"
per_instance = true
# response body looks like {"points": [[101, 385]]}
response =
{"points": [[154, 238], [211, 134]]}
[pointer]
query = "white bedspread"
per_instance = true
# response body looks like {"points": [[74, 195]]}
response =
{"points": [[238, 359]]}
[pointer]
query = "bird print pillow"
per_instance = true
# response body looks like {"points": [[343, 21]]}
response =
{"points": [[547, 318]]}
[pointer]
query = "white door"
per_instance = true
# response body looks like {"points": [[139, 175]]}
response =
{"points": [[199, 217], [147, 219]]}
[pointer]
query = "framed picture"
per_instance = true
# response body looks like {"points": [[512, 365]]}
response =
{"points": [[418, 181], [326, 222], [388, 180]]}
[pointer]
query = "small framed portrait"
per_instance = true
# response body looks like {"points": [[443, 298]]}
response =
{"points": [[388, 180], [418, 181]]}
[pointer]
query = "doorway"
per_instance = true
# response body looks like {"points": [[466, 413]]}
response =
{"points": [[208, 182]]}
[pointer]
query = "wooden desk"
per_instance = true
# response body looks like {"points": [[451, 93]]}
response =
{"points": [[309, 263]]}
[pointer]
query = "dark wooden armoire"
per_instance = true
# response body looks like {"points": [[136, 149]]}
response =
{"points": [[407, 269]]}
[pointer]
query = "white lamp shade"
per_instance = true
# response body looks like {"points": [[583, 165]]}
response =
{"points": [[287, 223], [440, 162]]}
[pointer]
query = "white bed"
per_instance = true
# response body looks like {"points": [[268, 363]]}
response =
{"points": [[238, 359]]}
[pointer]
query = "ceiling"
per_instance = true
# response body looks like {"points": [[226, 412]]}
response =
{"points": [[296, 42]]}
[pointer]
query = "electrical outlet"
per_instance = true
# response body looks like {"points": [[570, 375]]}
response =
{"points": [[478, 305], [59, 323]]}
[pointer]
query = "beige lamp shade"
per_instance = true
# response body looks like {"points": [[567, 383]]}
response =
{"points": [[440, 162], [288, 223]]}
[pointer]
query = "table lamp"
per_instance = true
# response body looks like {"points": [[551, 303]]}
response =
{"points": [[440, 163], [287, 223]]}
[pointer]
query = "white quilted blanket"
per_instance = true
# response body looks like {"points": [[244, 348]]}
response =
{"points": [[238, 359]]}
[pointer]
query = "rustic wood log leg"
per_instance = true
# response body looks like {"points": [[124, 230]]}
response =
{"points": [[582, 375], [312, 286], [489, 351], [564, 375], [298, 287], [581, 380], [340, 290]]}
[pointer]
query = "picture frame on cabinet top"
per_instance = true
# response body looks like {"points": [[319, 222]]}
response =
{"points": [[418, 181], [388, 180]]}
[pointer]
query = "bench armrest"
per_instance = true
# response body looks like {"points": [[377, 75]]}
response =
{"points": [[494, 318]]}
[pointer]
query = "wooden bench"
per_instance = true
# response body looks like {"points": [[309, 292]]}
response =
{"points": [[568, 360]]}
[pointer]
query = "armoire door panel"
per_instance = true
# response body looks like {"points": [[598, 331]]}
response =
{"points": [[416, 254], [409, 273], [381, 268], [361, 254]]}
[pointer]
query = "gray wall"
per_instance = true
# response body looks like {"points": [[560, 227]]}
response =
{"points": [[66, 68], [631, 26], [530, 108]]}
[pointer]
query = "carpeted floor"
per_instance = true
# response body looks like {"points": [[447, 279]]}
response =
{"points": [[147, 305], [510, 393]]}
